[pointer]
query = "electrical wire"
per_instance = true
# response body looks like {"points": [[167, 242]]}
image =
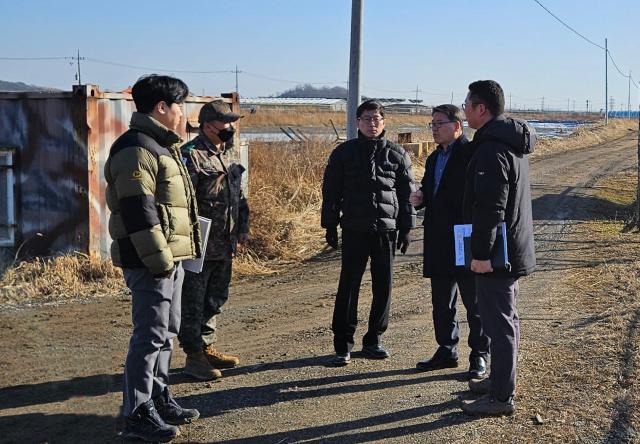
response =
{"points": [[146, 68], [566, 25], [36, 58]]}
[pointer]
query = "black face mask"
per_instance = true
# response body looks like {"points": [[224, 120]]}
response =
{"points": [[226, 134]]}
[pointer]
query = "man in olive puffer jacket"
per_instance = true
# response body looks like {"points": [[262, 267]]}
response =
{"points": [[154, 226]]}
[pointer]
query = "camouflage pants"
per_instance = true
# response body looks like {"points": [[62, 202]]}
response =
{"points": [[203, 295]]}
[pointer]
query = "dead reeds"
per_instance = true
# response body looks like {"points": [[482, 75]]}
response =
{"points": [[285, 196], [53, 279]]}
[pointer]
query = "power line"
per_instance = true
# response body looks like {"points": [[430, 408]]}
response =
{"points": [[36, 58], [146, 68], [626, 76], [565, 24]]}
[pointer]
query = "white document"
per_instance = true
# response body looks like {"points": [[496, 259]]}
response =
{"points": [[195, 265], [459, 233]]}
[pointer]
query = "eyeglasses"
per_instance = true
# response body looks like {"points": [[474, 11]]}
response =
{"points": [[464, 105], [375, 120], [437, 125]]}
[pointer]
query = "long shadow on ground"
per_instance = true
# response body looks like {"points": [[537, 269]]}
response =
{"points": [[319, 434], [308, 388]]}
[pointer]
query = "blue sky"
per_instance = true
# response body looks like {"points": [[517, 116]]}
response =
{"points": [[436, 45]]}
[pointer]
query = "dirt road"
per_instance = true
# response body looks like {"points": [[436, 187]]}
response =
{"points": [[61, 365]]}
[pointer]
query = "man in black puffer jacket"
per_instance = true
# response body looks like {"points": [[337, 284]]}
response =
{"points": [[366, 189], [497, 190]]}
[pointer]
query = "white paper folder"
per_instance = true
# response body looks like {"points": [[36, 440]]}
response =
{"points": [[462, 241], [195, 265]]}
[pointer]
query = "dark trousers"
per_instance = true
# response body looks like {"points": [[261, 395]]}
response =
{"points": [[357, 248], [499, 315], [203, 295], [444, 294], [155, 313]]}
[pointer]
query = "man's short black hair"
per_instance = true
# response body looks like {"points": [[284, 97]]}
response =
{"points": [[152, 88], [489, 93], [453, 113], [370, 105]]}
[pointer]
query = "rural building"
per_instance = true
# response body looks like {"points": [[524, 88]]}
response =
{"points": [[281, 103], [53, 146]]}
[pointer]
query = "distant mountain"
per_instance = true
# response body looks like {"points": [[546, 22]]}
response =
{"points": [[21, 87]]}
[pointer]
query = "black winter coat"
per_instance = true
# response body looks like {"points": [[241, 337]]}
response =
{"points": [[444, 210], [498, 190], [366, 187]]}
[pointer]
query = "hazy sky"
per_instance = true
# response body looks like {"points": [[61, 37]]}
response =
{"points": [[439, 46]]}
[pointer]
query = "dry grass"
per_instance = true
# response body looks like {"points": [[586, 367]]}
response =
{"points": [[582, 384], [72, 276], [586, 136], [285, 198], [310, 117]]}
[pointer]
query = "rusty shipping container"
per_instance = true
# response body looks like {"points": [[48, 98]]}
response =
{"points": [[53, 146]]}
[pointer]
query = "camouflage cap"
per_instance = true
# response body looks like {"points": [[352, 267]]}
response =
{"points": [[217, 110]]}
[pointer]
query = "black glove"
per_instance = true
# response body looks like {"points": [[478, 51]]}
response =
{"points": [[332, 237], [403, 240]]}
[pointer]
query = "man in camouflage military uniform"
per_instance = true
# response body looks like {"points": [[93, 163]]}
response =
{"points": [[217, 181]]}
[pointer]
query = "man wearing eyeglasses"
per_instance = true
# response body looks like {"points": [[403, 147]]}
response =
{"points": [[497, 190], [366, 189], [441, 195]]}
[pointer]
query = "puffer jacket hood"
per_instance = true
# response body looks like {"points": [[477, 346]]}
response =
{"points": [[518, 134]]}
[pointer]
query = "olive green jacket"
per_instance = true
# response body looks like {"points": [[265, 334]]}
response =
{"points": [[153, 220]]}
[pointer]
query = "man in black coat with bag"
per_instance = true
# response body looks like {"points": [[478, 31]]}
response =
{"points": [[498, 190], [441, 195]]}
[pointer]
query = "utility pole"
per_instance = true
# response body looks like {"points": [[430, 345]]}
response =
{"points": [[629, 97], [354, 67], [606, 83], [638, 189], [78, 77], [416, 102], [542, 104], [236, 72], [451, 98], [510, 109], [568, 109]]}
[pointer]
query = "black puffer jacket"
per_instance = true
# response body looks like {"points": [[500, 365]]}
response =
{"points": [[498, 190], [366, 187]]}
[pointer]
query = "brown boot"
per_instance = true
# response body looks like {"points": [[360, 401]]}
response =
{"points": [[220, 360], [198, 367]]}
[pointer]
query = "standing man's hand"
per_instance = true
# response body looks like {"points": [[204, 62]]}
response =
{"points": [[243, 238], [403, 240], [332, 237], [416, 198], [481, 267]]}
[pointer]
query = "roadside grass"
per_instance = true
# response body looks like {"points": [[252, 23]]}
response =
{"points": [[586, 136], [310, 117], [583, 384], [53, 279]]}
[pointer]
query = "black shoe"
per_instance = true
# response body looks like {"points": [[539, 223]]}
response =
{"points": [[171, 412], [437, 363], [477, 367], [341, 359], [375, 352], [146, 424]]}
